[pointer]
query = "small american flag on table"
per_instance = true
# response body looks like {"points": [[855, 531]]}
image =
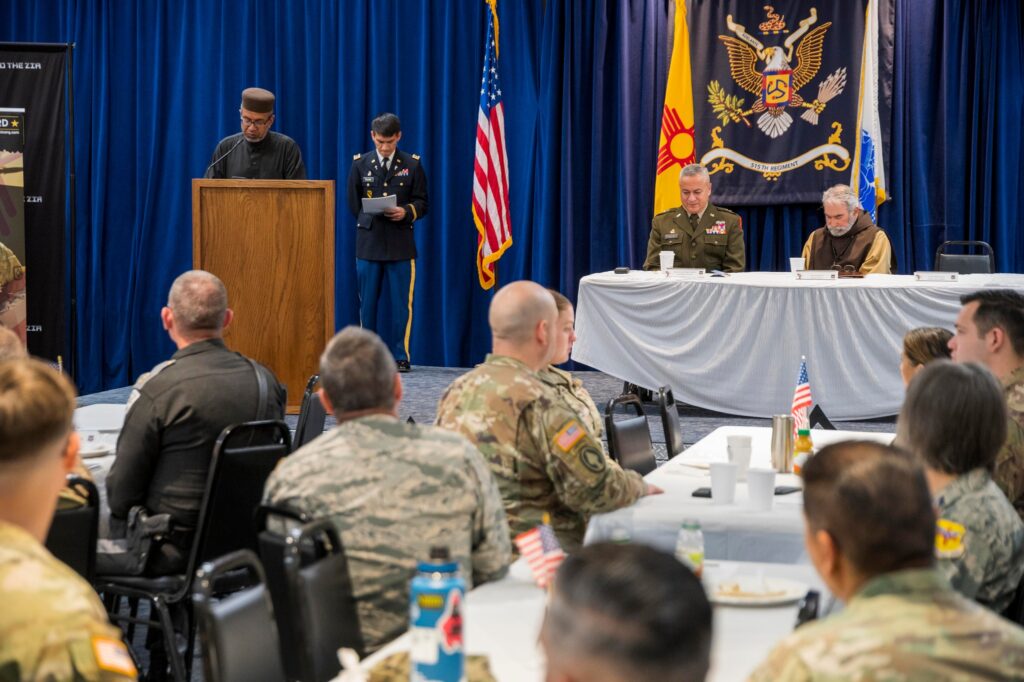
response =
{"points": [[542, 552], [801, 398]]}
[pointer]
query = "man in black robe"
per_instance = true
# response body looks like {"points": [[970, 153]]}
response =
{"points": [[256, 153]]}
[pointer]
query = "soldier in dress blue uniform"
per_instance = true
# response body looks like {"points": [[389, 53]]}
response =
{"points": [[385, 243]]}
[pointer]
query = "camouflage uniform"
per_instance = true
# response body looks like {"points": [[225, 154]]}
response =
{"points": [[981, 543], [394, 490], [1009, 469], [572, 392], [52, 624], [543, 457], [905, 625]]}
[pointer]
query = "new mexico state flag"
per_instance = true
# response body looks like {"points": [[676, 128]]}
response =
{"points": [[676, 146]]}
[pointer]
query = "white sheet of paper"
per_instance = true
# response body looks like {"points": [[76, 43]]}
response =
{"points": [[377, 205]]}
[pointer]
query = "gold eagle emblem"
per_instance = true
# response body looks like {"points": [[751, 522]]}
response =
{"points": [[778, 82]]}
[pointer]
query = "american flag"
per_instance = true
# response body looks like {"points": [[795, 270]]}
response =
{"points": [[542, 552], [490, 167], [801, 398]]}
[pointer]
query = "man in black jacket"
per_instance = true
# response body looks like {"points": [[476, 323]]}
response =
{"points": [[177, 410], [385, 244]]}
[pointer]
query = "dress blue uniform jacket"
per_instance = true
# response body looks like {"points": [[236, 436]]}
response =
{"points": [[377, 237]]}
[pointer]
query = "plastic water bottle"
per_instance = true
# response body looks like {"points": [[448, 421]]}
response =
{"points": [[435, 617], [690, 546]]}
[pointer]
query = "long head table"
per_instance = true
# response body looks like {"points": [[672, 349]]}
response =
{"points": [[731, 531], [733, 344]]}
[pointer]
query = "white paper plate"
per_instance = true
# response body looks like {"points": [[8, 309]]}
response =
{"points": [[748, 590], [94, 450]]}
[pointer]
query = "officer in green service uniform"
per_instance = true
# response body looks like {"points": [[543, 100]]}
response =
{"points": [[701, 234]]}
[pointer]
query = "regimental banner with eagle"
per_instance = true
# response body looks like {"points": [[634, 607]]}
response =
{"points": [[780, 107]]}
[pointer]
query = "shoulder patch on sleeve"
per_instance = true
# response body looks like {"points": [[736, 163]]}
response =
{"points": [[570, 434], [112, 656], [355, 157], [415, 156], [949, 539]]}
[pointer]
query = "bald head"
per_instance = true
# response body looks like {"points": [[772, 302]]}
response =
{"points": [[522, 318], [198, 306], [10, 345]]}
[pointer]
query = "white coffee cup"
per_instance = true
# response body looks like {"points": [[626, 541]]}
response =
{"points": [[796, 264], [667, 259], [738, 448], [723, 482], [761, 487]]}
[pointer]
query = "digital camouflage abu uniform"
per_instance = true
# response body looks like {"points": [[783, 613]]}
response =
{"points": [[543, 457], [980, 540], [394, 490], [52, 624], [906, 625], [1009, 468]]}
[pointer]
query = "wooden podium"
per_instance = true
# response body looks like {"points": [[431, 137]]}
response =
{"points": [[272, 243]]}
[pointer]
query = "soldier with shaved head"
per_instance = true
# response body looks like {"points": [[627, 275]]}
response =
{"points": [[393, 489], [544, 457]]}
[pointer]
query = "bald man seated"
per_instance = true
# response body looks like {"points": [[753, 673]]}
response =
{"points": [[538, 448]]}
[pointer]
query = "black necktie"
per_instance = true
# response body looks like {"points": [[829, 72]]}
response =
{"points": [[694, 219], [384, 166]]}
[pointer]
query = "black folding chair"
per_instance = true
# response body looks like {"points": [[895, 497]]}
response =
{"points": [[237, 631], [312, 416], [629, 440], [73, 532], [314, 602], [243, 457], [670, 422], [966, 263]]}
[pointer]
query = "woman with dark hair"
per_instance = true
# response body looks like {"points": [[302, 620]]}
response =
{"points": [[570, 388], [921, 346], [954, 421]]}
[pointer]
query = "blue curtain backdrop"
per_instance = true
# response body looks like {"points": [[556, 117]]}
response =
{"points": [[157, 85]]}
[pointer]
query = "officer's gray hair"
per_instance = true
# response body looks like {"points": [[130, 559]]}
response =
{"points": [[357, 371], [695, 170], [199, 301], [841, 194]]}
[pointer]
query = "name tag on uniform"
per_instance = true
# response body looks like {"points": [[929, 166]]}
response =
{"points": [[671, 238], [717, 228]]}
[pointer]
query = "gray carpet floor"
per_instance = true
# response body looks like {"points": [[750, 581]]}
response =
{"points": [[424, 385]]}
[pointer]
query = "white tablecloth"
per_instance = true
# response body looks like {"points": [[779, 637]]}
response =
{"points": [[503, 619], [732, 531], [733, 344]]}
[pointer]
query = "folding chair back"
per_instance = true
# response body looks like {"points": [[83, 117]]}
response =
{"points": [[312, 416], [670, 422], [73, 532], [629, 440], [238, 632], [966, 263]]}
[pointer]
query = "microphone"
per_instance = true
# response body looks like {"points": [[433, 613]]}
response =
{"points": [[224, 155]]}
